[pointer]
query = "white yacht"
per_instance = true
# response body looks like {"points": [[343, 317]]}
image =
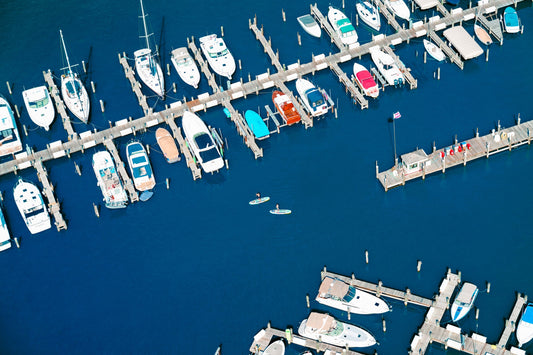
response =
{"points": [[73, 91], [218, 55], [31, 206], [323, 327], [109, 181], [399, 8], [369, 14], [9, 135], [524, 329], [313, 99], [140, 168], [147, 66], [387, 67], [338, 294], [185, 66], [464, 301], [342, 26], [201, 143], [40, 106], [275, 348], [309, 25], [5, 237]]}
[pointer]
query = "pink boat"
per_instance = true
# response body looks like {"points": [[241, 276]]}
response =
{"points": [[365, 81]]}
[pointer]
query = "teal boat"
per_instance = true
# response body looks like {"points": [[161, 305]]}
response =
{"points": [[256, 124]]}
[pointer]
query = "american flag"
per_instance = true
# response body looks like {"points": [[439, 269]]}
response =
{"points": [[396, 115]]}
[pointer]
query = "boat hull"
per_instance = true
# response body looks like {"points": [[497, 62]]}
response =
{"points": [[304, 87], [5, 237], [276, 348], [346, 32], [387, 67], [309, 25], [31, 206], [351, 336], [39, 106], [464, 301], [524, 329], [77, 101], [218, 55], [256, 124], [399, 8], [434, 51], [185, 66], [482, 35], [285, 108], [140, 168], [511, 23], [369, 14], [149, 71], [365, 81]]}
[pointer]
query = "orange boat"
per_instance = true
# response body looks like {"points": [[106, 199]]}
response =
{"points": [[167, 145], [285, 107]]}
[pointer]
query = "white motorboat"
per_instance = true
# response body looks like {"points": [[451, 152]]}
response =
{"points": [[434, 51], [309, 25], [365, 81], [464, 301], [147, 66], [9, 135], [31, 206], [275, 348], [5, 237], [109, 181], [40, 106], [140, 168], [387, 67], [72, 90], [218, 55], [313, 99], [342, 26], [369, 14], [185, 66], [399, 8], [524, 329], [338, 294], [329, 330], [201, 142]]}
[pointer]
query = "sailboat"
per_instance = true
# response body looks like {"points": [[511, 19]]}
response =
{"points": [[147, 66], [73, 91]]}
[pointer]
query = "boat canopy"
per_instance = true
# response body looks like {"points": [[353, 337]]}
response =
{"points": [[308, 20], [333, 287], [321, 321], [347, 29], [343, 22], [209, 154], [467, 292], [511, 17], [366, 79], [315, 97]]}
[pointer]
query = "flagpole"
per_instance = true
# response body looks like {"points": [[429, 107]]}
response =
{"points": [[394, 134]]}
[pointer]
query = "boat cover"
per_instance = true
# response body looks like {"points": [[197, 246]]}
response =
{"points": [[333, 287], [366, 79], [321, 321], [463, 42], [466, 293]]}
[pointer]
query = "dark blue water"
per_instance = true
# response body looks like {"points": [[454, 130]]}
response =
{"points": [[196, 266]]}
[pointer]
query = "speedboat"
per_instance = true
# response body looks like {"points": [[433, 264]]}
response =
{"points": [[338, 294], [201, 142], [309, 25], [5, 237], [365, 81], [167, 145], [482, 34], [434, 51], [218, 55], [185, 66], [369, 14], [9, 135], [342, 26], [313, 99], [31, 206], [524, 329], [276, 348], [256, 124], [147, 66], [323, 327], [285, 107], [109, 181], [399, 8], [387, 67], [464, 301], [511, 22], [40, 106], [73, 92], [140, 168]]}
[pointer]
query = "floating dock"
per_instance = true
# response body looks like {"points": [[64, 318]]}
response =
{"points": [[497, 141]]}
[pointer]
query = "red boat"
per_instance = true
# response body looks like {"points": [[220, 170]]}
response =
{"points": [[365, 81], [285, 107]]}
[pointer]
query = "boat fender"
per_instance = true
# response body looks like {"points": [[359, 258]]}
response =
{"points": [[451, 151], [442, 154], [460, 148], [468, 146], [504, 136]]}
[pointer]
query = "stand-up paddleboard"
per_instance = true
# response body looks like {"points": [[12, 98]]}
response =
{"points": [[280, 211], [259, 200]]}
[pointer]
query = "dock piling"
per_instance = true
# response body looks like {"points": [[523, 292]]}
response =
{"points": [[227, 163], [96, 211], [240, 65], [17, 243], [9, 88], [377, 169], [299, 38], [83, 66], [222, 31], [102, 107], [487, 55], [77, 167], [438, 73], [283, 15], [148, 149], [407, 295], [477, 313], [488, 287], [93, 87], [425, 57], [17, 111], [366, 256], [349, 314], [174, 88], [307, 300], [384, 324], [168, 183], [419, 265], [168, 69]]}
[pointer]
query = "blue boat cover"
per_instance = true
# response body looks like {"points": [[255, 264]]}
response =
{"points": [[511, 17], [256, 124], [528, 314], [314, 97]]}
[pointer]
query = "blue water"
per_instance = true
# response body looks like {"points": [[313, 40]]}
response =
{"points": [[196, 266]]}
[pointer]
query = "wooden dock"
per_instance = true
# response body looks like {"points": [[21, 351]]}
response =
{"points": [[349, 85], [60, 106], [128, 183], [204, 67], [48, 190], [453, 55], [267, 45], [460, 153], [511, 322], [391, 19], [265, 337], [135, 85]]}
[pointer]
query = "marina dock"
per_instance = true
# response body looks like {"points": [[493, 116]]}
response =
{"points": [[60, 105], [135, 85], [324, 24], [419, 164], [48, 190], [128, 183]]}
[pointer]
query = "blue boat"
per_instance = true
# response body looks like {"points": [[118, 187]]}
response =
{"points": [[140, 168], [511, 23], [256, 124]]}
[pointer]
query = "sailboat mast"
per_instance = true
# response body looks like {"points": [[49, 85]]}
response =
{"points": [[65, 49], [144, 24]]}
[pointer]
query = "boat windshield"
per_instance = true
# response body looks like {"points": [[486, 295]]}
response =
{"points": [[73, 87], [184, 62], [39, 103], [139, 160], [34, 211], [5, 242], [203, 141], [209, 154], [308, 21], [218, 54], [349, 295], [315, 98]]}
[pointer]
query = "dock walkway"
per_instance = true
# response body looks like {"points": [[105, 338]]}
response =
{"points": [[323, 22], [267, 45], [391, 19], [453, 55], [135, 85], [354, 91], [60, 105], [128, 183], [48, 190]]}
